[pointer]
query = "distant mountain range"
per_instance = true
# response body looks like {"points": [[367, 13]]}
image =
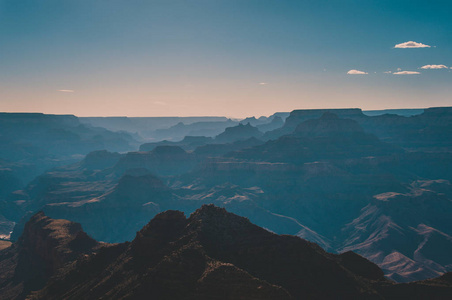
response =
{"points": [[376, 185], [174, 129]]}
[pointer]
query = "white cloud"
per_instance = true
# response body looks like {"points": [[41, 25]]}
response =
{"points": [[356, 72], [388, 72], [263, 83], [434, 67], [411, 44], [66, 91], [406, 73]]}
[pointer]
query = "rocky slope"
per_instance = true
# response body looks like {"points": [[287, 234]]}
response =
{"points": [[212, 254], [45, 246], [407, 234]]}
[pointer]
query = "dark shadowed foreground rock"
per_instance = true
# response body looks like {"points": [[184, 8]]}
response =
{"points": [[211, 255], [45, 246]]}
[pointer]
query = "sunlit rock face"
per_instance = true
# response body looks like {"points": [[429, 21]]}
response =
{"points": [[392, 232]]}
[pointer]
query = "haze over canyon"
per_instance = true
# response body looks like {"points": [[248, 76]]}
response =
{"points": [[351, 182]]}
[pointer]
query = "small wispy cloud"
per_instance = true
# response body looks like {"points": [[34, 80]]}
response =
{"points": [[263, 83], [356, 72], [411, 44], [406, 73], [388, 72], [434, 67], [66, 91]]}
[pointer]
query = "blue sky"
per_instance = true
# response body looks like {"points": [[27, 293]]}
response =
{"points": [[233, 58]]}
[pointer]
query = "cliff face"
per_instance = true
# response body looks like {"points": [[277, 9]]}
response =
{"points": [[296, 117], [45, 246], [237, 133], [328, 137], [430, 130], [328, 125]]}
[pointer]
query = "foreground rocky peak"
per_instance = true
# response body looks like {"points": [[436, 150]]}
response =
{"points": [[213, 254], [163, 227], [218, 217], [45, 246], [56, 242]]}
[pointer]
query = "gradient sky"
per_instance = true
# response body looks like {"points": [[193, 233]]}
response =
{"points": [[232, 57]]}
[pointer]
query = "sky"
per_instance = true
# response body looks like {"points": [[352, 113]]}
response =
{"points": [[234, 58]]}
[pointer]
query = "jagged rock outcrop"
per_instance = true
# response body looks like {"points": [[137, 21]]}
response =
{"points": [[177, 258], [212, 254], [45, 246]]}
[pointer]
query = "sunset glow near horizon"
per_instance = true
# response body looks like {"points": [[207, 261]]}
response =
{"points": [[230, 58]]}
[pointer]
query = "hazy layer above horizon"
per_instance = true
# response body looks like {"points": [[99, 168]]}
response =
{"points": [[231, 58]]}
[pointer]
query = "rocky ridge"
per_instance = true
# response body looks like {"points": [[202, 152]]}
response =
{"points": [[212, 254]]}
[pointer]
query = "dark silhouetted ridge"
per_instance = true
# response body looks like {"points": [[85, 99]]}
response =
{"points": [[213, 254], [45, 246]]}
